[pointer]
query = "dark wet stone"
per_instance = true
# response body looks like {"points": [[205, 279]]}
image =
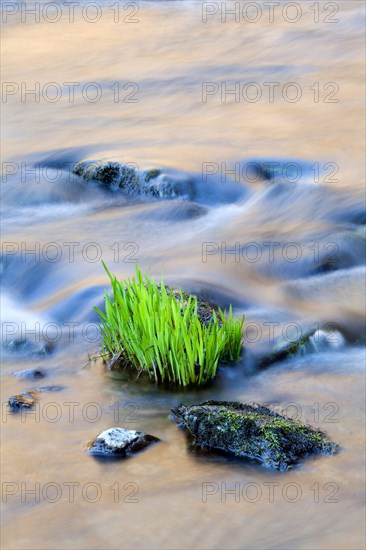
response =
{"points": [[284, 349], [48, 388], [174, 211], [342, 250], [151, 174], [27, 399], [24, 400], [27, 347], [214, 295], [110, 174], [253, 432], [115, 361], [274, 170], [266, 172], [132, 181], [311, 340], [344, 289], [30, 374], [359, 217], [170, 186], [118, 442], [204, 309]]}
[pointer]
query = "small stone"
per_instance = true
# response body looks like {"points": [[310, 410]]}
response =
{"points": [[48, 388], [115, 361], [252, 431], [22, 401], [30, 374], [26, 347], [118, 442]]}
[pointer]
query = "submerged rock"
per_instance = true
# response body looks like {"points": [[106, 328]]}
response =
{"points": [[29, 374], [118, 442], [151, 174], [24, 400], [169, 186], [310, 341], [253, 432], [130, 180], [279, 170], [339, 296], [48, 388], [205, 311], [27, 399], [284, 349], [175, 211], [28, 347]]}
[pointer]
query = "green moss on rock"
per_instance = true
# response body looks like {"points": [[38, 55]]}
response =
{"points": [[111, 174], [107, 173], [152, 174], [284, 349], [252, 431], [132, 181]]}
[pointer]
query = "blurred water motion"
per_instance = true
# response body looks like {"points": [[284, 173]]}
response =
{"points": [[280, 251]]}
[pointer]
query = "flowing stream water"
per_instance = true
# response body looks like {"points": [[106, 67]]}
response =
{"points": [[297, 256]]}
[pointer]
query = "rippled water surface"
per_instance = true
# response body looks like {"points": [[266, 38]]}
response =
{"points": [[299, 254]]}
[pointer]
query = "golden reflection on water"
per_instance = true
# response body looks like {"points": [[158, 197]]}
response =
{"points": [[169, 53]]}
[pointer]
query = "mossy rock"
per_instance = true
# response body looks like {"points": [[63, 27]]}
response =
{"points": [[252, 431], [204, 309], [110, 174], [284, 349], [24, 400], [130, 180], [152, 174]]}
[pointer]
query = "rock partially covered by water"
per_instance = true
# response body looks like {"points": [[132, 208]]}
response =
{"points": [[22, 401], [27, 399], [283, 349], [205, 311], [252, 431], [29, 374], [111, 174], [339, 296], [28, 347], [118, 442], [48, 388], [130, 180], [279, 170], [309, 341]]}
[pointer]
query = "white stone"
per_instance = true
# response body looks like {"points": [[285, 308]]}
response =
{"points": [[115, 438]]}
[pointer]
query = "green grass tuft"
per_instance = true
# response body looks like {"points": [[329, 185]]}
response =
{"points": [[160, 333]]}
